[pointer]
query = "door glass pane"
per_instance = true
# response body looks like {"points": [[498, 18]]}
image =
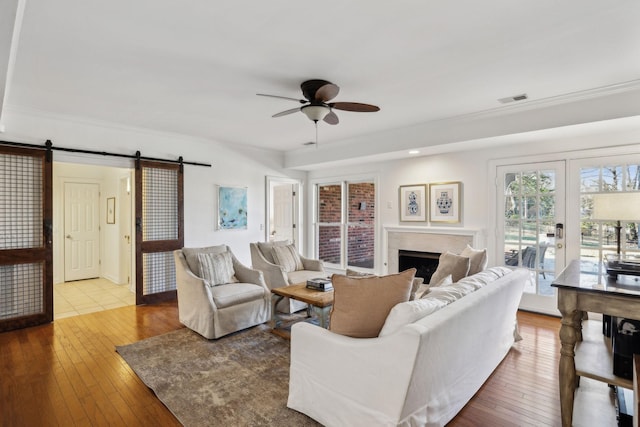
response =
{"points": [[598, 238], [529, 226]]}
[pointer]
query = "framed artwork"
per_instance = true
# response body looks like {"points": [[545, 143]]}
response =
{"points": [[111, 210], [413, 202], [232, 208], [445, 203]]}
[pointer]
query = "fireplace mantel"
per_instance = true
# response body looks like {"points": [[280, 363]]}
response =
{"points": [[426, 239]]}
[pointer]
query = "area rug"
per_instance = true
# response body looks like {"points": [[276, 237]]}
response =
{"points": [[238, 380]]}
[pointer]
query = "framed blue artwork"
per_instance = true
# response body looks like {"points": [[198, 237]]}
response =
{"points": [[232, 208]]}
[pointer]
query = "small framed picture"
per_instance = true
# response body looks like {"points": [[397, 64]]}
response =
{"points": [[413, 202], [111, 210], [445, 203]]}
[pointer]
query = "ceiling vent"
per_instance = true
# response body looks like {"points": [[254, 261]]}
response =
{"points": [[514, 98]]}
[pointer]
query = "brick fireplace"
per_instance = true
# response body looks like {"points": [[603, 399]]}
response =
{"points": [[430, 240]]}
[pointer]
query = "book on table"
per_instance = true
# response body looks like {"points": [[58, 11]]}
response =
{"points": [[320, 284]]}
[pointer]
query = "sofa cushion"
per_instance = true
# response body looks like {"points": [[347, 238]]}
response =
{"points": [[235, 293], [191, 256], [217, 269], [449, 263], [361, 305], [267, 248], [477, 259], [287, 257], [408, 312], [423, 289]]}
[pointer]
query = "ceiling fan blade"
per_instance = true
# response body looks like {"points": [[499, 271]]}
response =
{"points": [[284, 113], [301, 101], [354, 106], [331, 118], [327, 92]]}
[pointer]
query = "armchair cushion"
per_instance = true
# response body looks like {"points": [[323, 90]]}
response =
{"points": [[361, 305], [191, 255], [217, 269], [287, 257], [267, 249], [235, 293]]}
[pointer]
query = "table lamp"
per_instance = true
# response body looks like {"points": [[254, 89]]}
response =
{"points": [[617, 207]]}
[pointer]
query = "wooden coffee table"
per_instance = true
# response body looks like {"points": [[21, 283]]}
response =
{"points": [[319, 302]]}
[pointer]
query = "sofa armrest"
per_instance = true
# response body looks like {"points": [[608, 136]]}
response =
{"points": [[312, 264], [350, 371]]}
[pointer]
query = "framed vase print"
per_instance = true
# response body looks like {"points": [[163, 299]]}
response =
{"points": [[445, 203], [413, 202]]}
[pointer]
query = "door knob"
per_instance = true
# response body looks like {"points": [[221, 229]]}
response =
{"points": [[68, 236]]}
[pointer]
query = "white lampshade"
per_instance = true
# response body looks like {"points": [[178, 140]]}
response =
{"points": [[315, 112], [617, 206]]}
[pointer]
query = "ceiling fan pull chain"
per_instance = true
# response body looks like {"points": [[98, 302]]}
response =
{"points": [[316, 123]]}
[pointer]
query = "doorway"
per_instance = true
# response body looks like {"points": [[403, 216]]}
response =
{"points": [[92, 247], [282, 222]]}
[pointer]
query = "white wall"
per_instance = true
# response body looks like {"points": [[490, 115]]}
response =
{"points": [[241, 167], [472, 168]]}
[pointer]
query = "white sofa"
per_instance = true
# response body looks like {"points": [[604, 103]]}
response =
{"points": [[420, 373]]}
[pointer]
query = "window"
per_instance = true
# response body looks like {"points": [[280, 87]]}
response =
{"points": [[345, 228], [598, 237]]}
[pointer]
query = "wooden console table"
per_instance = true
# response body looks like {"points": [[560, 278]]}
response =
{"points": [[589, 355]]}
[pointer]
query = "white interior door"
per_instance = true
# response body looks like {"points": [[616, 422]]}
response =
{"points": [[531, 217], [282, 224], [81, 230], [124, 216]]}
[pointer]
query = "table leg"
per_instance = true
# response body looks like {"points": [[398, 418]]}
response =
{"points": [[323, 315], [275, 319], [570, 331]]}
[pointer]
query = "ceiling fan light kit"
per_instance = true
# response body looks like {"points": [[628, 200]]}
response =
{"points": [[315, 112]]}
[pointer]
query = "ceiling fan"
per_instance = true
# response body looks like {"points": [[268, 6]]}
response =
{"points": [[316, 107]]}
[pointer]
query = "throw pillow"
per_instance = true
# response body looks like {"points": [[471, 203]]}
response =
{"points": [[477, 259], [361, 305], [455, 265], [287, 257], [217, 269], [267, 248], [423, 289], [191, 255]]}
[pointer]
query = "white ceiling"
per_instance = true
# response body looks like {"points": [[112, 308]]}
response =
{"points": [[194, 67]]}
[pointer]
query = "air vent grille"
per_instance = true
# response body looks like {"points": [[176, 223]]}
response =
{"points": [[513, 98]]}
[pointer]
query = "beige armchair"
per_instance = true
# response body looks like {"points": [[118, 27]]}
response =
{"points": [[280, 272], [217, 310]]}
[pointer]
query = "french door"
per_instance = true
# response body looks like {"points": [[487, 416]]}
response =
{"points": [[26, 255], [530, 228], [159, 229]]}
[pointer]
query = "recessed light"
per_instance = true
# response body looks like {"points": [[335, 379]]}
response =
{"points": [[414, 152]]}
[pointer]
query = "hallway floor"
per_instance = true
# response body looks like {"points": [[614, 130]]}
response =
{"points": [[89, 296]]}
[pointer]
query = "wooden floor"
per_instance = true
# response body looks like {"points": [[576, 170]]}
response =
{"points": [[68, 373]]}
